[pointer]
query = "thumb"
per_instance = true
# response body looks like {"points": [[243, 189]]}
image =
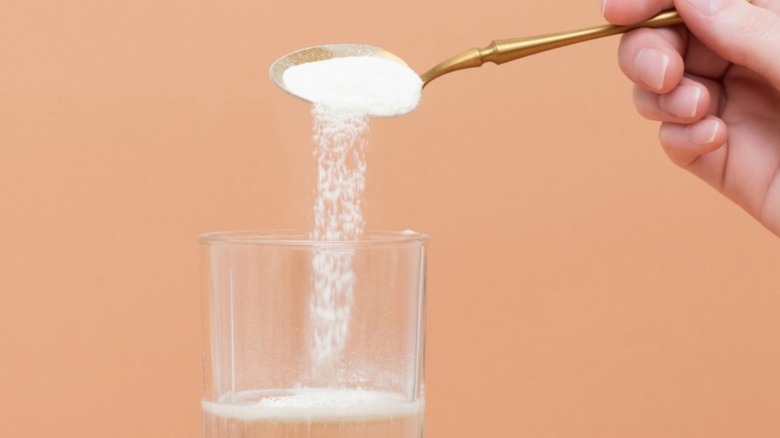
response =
{"points": [[738, 31]]}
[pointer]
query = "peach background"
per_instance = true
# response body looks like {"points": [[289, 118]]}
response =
{"points": [[579, 284]]}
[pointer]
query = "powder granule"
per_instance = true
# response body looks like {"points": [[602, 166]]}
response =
{"points": [[366, 84]]}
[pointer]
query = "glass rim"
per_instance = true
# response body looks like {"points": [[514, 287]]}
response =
{"points": [[281, 237]]}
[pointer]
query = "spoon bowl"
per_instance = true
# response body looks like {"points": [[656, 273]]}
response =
{"points": [[322, 53]]}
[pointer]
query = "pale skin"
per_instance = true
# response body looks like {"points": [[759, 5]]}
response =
{"points": [[714, 85]]}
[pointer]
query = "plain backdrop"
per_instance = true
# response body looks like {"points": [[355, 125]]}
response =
{"points": [[579, 284]]}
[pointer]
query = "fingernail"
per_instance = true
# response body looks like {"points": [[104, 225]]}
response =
{"points": [[650, 66], [708, 7], [683, 102], [694, 94], [704, 132], [603, 6]]}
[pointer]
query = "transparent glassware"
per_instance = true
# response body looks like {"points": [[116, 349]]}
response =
{"points": [[311, 338]]}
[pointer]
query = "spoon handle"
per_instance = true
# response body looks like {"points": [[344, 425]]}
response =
{"points": [[501, 51], [508, 50]]}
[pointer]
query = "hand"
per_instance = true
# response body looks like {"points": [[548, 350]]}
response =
{"points": [[714, 85]]}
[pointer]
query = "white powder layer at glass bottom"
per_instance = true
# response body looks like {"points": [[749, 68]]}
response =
{"points": [[308, 404]]}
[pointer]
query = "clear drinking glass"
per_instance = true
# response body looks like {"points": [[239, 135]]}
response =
{"points": [[308, 338]]}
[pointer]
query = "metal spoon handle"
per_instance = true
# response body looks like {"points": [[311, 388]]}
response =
{"points": [[502, 51]]}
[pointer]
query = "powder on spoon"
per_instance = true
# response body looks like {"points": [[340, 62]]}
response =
{"points": [[369, 85]]}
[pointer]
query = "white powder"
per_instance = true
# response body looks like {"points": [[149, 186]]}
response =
{"points": [[338, 216], [344, 93], [370, 85], [312, 404], [341, 173]]}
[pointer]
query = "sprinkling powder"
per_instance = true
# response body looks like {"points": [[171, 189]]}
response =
{"points": [[344, 92]]}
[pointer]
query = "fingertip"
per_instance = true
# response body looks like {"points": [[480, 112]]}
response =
{"points": [[651, 58], [650, 68], [706, 134], [685, 143], [686, 103]]}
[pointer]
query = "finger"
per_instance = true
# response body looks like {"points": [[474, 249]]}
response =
{"points": [[685, 104], [651, 58], [632, 11], [744, 33], [684, 144], [702, 61]]}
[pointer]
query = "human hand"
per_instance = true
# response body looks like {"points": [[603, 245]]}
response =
{"points": [[715, 87]]}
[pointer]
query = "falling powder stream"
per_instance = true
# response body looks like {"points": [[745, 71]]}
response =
{"points": [[341, 173], [344, 92], [338, 216]]}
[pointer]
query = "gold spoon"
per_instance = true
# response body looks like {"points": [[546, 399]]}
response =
{"points": [[498, 52]]}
